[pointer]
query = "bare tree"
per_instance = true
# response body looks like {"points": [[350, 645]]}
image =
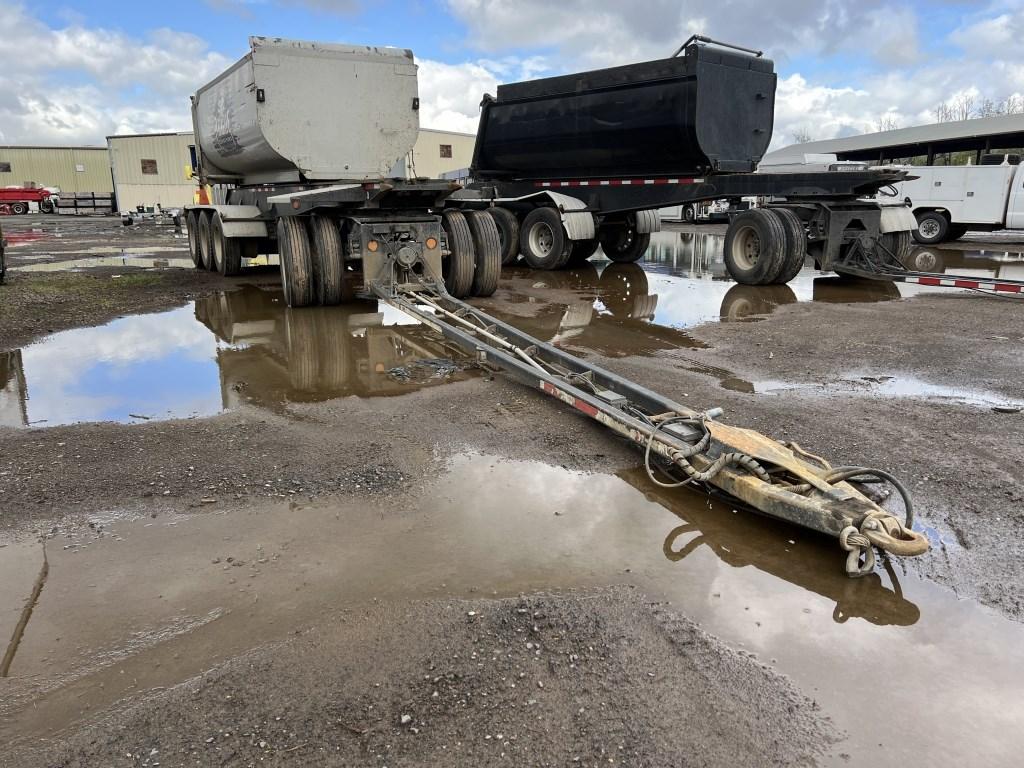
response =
{"points": [[801, 135], [887, 122]]}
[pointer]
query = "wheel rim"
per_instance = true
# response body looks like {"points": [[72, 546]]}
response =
{"points": [[746, 248], [542, 239], [928, 228]]}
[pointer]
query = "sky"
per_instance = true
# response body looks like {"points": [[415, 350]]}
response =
{"points": [[74, 74]]}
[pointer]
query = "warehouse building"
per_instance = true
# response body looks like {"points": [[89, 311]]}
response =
{"points": [[71, 169], [438, 152], [151, 169]]}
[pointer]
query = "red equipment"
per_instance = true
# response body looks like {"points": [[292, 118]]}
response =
{"points": [[18, 198]]}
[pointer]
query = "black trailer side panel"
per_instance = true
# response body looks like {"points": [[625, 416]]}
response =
{"points": [[709, 110]]}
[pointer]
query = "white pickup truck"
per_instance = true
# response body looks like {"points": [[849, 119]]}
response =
{"points": [[947, 201]]}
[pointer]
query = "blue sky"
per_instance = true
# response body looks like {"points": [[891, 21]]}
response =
{"points": [[76, 73]]}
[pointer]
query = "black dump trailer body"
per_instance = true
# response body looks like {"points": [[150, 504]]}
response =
{"points": [[707, 111]]}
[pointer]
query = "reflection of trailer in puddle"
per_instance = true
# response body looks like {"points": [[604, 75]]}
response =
{"points": [[1001, 265], [752, 540], [272, 354], [13, 390]]}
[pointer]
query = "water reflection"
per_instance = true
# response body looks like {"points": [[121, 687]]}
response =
{"points": [[793, 554], [246, 347]]}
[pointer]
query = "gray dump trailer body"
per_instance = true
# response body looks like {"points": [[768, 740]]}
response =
{"points": [[291, 111]]}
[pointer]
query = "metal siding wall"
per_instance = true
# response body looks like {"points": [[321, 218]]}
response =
{"points": [[55, 167], [427, 153], [168, 186]]}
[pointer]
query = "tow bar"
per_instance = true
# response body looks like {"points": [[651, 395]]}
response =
{"points": [[687, 447]]}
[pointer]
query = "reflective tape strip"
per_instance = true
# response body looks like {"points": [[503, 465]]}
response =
{"points": [[614, 182], [959, 282]]}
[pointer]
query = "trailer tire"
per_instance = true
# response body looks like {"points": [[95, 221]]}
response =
{"points": [[192, 222], [296, 262], [328, 262], [623, 243], [205, 241], [897, 245], [755, 246], [582, 250], [19, 208], [46, 206], [461, 260], [689, 213], [796, 245], [508, 230], [543, 240], [487, 253], [932, 227], [227, 251]]}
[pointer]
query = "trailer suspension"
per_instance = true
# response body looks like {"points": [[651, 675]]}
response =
{"points": [[689, 447]]}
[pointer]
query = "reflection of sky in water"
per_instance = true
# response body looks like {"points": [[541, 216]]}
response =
{"points": [[159, 365]]}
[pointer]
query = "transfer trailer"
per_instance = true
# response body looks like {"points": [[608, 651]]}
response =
{"points": [[572, 162], [296, 141]]}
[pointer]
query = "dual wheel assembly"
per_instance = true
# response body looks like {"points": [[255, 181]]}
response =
{"points": [[209, 248], [314, 268], [541, 239], [765, 246]]}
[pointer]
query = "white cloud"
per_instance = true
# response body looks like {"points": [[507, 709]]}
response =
{"points": [[91, 82]]}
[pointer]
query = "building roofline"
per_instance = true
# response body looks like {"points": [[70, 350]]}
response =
{"points": [[148, 135], [451, 133], [45, 146]]}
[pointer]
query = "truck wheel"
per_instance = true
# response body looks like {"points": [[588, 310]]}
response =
{"points": [[508, 231], [543, 239], [755, 246], [689, 213], [796, 244], [487, 249], [328, 262], [19, 209], [897, 245], [932, 227], [582, 250], [46, 206], [296, 262], [624, 244], [227, 251], [460, 261], [205, 241], [192, 222]]}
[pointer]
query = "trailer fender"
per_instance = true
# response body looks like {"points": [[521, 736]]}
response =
{"points": [[239, 220], [896, 218], [579, 224]]}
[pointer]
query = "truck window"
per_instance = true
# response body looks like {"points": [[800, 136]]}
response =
{"points": [[149, 167], [446, 150], [5, 167]]}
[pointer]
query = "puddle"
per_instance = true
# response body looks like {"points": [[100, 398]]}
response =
{"points": [[155, 601], [239, 347], [861, 385]]}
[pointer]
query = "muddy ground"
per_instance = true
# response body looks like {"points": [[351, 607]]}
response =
{"points": [[627, 678]]}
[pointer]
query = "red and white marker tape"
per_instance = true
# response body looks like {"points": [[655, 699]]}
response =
{"points": [[613, 182]]}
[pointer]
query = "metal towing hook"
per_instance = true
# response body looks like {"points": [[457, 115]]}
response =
{"points": [[782, 480]]}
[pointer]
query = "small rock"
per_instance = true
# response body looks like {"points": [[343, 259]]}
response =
{"points": [[406, 719]]}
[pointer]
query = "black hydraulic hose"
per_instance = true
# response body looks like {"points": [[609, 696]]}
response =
{"points": [[839, 474]]}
